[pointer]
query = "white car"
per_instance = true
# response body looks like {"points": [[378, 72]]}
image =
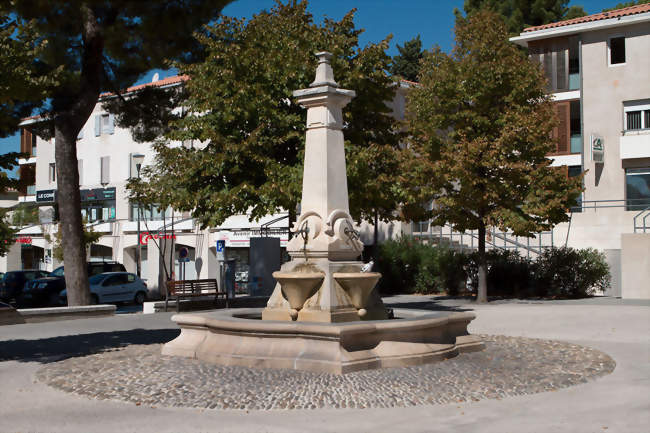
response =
{"points": [[111, 287]]}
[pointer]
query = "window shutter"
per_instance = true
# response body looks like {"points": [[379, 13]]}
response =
{"points": [[548, 67], [562, 67], [562, 135], [105, 177], [80, 166], [111, 124], [130, 165], [98, 125]]}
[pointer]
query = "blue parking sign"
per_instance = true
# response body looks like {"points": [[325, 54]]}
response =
{"points": [[221, 250]]}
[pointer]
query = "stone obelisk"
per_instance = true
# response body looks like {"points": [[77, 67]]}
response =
{"points": [[325, 238]]}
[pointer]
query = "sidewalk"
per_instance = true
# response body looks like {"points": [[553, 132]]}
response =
{"points": [[619, 402]]}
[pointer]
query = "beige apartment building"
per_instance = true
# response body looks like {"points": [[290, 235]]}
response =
{"points": [[598, 69]]}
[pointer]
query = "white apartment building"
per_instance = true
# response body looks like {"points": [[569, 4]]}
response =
{"points": [[598, 68], [108, 158]]}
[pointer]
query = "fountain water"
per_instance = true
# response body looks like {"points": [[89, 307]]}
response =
{"points": [[323, 314]]}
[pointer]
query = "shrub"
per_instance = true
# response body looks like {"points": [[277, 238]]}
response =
{"points": [[408, 266], [572, 273], [509, 274]]}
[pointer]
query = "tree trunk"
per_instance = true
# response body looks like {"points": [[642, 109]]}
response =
{"points": [[72, 110], [481, 295]]}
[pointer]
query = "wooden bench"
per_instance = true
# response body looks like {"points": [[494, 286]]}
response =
{"points": [[192, 288]]}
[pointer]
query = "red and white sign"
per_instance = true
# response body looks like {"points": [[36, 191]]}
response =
{"points": [[24, 240], [146, 236]]}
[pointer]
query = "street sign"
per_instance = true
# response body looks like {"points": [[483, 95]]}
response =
{"points": [[183, 254], [221, 250]]}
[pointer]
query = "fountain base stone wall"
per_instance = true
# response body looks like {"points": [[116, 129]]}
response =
{"points": [[234, 337]]}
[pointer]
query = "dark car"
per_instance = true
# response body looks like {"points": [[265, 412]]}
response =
{"points": [[45, 291], [12, 282]]}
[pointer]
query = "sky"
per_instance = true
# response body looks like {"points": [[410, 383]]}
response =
{"points": [[433, 20]]}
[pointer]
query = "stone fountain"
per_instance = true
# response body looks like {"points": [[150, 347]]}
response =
{"points": [[324, 314]]}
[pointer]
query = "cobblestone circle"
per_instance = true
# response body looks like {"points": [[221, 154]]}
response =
{"points": [[507, 367]]}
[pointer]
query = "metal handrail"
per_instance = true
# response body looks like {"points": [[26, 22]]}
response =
{"points": [[508, 243], [643, 226]]}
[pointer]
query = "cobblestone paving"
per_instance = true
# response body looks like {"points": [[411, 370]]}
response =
{"points": [[507, 367]]}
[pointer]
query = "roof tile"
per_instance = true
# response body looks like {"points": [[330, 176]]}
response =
{"points": [[632, 10]]}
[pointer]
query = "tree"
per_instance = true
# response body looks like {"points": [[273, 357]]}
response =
{"points": [[627, 5], [90, 236], [519, 14], [407, 63], [98, 45], [482, 122], [24, 80], [7, 162], [248, 133]]}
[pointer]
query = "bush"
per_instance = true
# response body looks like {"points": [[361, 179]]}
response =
{"points": [[407, 266], [571, 273], [509, 274]]}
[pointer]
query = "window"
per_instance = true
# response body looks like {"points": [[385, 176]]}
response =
{"points": [[104, 124], [573, 171], [617, 50], [637, 188], [105, 170], [558, 59], [150, 213], [637, 115], [52, 173]]}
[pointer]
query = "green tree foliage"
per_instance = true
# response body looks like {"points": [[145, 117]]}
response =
{"points": [[24, 79], [407, 63], [24, 214], [90, 236], [7, 233], [94, 45], [482, 122], [519, 14], [248, 132], [627, 5]]}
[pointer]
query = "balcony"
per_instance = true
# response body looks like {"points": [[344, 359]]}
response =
{"points": [[635, 144]]}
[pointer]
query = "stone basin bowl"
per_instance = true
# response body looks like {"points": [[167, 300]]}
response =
{"points": [[358, 285], [297, 287]]}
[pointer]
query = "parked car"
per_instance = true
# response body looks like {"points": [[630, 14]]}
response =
{"points": [[45, 291], [112, 287], [12, 283]]}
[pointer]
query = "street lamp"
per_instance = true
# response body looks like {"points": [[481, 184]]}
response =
{"points": [[137, 159]]}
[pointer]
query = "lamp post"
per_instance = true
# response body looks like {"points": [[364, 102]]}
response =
{"points": [[138, 159]]}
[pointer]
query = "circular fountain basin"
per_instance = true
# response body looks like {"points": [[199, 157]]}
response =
{"points": [[238, 337]]}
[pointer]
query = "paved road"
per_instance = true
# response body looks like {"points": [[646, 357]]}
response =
{"points": [[619, 402]]}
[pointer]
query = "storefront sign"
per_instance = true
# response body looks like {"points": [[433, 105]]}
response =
{"points": [[242, 238], [144, 237], [97, 194], [24, 240], [47, 196]]}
